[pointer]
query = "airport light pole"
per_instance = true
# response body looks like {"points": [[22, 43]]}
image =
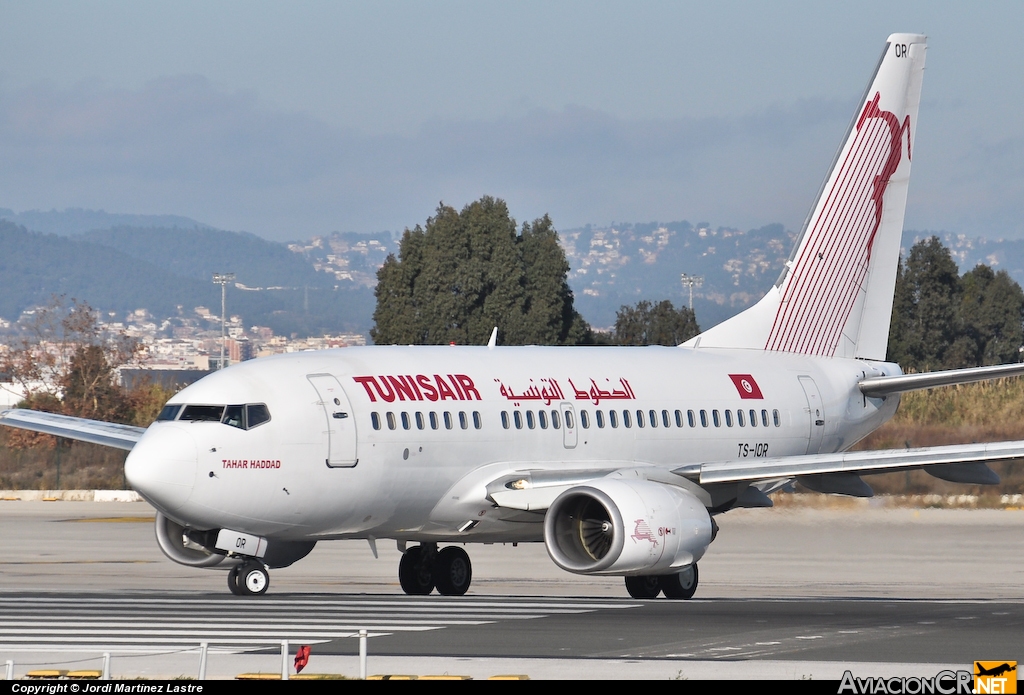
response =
{"points": [[223, 279], [690, 281]]}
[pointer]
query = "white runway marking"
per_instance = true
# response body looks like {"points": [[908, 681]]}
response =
{"points": [[141, 624]]}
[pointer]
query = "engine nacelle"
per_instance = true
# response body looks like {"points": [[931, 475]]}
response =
{"points": [[621, 527], [196, 548], [170, 536]]}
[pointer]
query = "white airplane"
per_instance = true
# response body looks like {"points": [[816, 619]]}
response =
{"points": [[617, 459]]}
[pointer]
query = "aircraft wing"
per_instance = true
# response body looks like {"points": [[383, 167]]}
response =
{"points": [[82, 429], [963, 461], [959, 463]]}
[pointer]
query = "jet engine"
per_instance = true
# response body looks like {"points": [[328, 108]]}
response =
{"points": [[173, 541], [620, 527], [196, 548]]}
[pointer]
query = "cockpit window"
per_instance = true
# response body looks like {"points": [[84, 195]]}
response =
{"points": [[244, 417], [168, 412], [203, 413], [234, 416], [257, 413]]}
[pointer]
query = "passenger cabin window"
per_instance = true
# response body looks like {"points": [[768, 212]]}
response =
{"points": [[391, 421], [599, 416], [613, 418], [504, 419], [542, 417], [764, 418], [778, 419], [555, 424], [463, 422], [519, 419], [627, 421], [405, 421], [477, 422], [433, 420], [739, 418], [689, 418], [753, 418], [717, 418], [375, 420], [568, 419], [447, 420], [704, 418], [584, 420]]}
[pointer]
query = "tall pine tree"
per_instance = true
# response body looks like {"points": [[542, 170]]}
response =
{"points": [[469, 271]]}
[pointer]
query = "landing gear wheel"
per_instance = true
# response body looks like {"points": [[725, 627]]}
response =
{"points": [[682, 585], [644, 586], [452, 572], [253, 578], [233, 580], [414, 572]]}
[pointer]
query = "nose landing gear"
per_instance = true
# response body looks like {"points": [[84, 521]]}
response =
{"points": [[249, 579], [423, 568]]}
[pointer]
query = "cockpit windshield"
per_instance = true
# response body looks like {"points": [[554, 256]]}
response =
{"points": [[243, 417]]}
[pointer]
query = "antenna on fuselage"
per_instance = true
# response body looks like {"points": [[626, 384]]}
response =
{"points": [[493, 339]]}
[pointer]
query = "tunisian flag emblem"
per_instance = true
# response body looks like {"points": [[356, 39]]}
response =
{"points": [[746, 386]]}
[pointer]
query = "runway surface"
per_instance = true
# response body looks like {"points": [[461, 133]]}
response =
{"points": [[783, 594]]}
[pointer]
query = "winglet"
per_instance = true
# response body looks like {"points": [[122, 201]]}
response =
{"points": [[493, 340]]}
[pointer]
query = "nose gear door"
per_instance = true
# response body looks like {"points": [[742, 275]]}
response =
{"points": [[341, 425]]}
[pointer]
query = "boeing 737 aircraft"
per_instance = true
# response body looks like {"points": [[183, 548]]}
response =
{"points": [[617, 459]]}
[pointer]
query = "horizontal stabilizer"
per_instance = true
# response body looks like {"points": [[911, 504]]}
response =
{"points": [[884, 385], [81, 429]]}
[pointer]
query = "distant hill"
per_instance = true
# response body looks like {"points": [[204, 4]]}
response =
{"points": [[624, 263], [123, 262], [76, 220], [199, 253], [35, 266]]}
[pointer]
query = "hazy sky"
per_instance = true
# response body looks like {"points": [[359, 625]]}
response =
{"points": [[298, 118]]}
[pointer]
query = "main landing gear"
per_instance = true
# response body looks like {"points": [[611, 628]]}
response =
{"points": [[250, 578], [423, 568], [682, 585]]}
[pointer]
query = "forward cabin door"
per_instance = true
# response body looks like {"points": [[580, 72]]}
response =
{"points": [[340, 434], [569, 425], [815, 414]]}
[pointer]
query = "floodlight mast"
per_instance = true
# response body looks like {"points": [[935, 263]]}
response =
{"points": [[690, 281], [223, 279]]}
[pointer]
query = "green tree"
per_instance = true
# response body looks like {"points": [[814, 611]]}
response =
{"points": [[654, 324], [469, 271], [941, 320], [992, 311], [925, 316]]}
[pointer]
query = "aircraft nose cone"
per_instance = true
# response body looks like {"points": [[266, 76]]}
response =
{"points": [[162, 466]]}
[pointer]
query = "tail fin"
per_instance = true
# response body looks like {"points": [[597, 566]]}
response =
{"points": [[834, 297]]}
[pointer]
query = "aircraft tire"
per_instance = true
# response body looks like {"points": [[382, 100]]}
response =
{"points": [[253, 578], [452, 572], [643, 586], [233, 581], [415, 573], [682, 585]]}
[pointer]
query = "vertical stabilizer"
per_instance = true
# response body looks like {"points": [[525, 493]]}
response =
{"points": [[834, 297]]}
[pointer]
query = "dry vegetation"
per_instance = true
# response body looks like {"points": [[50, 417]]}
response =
{"points": [[983, 412]]}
